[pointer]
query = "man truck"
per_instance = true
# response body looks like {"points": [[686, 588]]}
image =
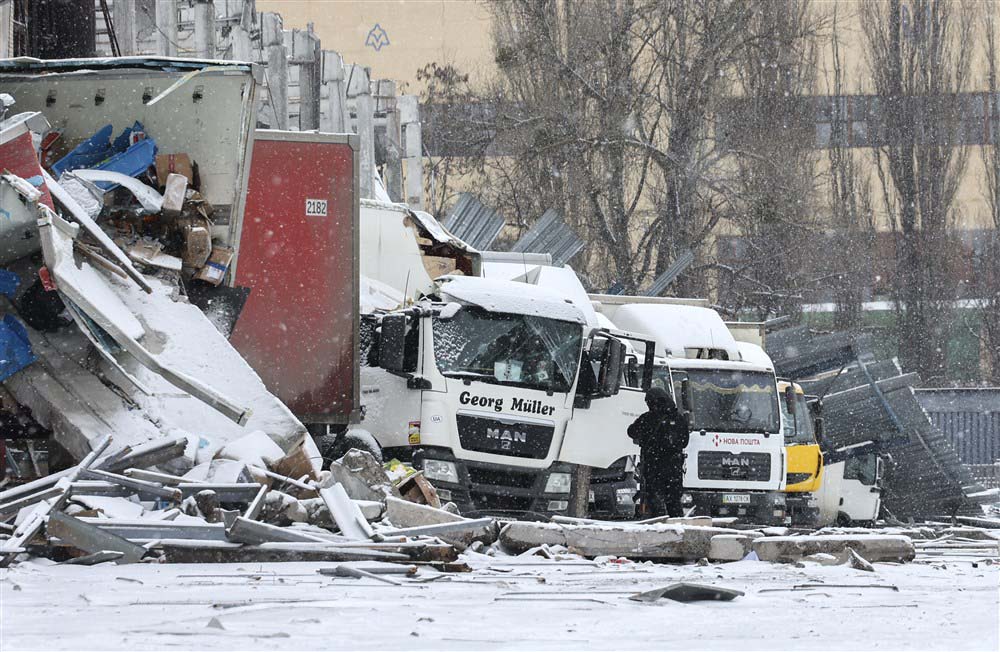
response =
{"points": [[735, 460], [496, 389]]}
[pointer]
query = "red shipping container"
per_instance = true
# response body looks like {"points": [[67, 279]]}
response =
{"points": [[298, 253]]}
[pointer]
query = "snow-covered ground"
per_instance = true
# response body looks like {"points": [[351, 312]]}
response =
{"points": [[507, 603]]}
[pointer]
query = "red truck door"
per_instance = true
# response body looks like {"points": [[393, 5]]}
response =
{"points": [[298, 255]]}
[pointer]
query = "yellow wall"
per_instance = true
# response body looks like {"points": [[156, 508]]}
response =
{"points": [[459, 32], [419, 32]]}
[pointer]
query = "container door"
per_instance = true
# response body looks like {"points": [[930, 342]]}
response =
{"points": [[298, 256]]}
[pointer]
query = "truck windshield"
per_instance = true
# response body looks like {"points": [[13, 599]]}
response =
{"points": [[798, 427], [725, 400], [501, 348]]}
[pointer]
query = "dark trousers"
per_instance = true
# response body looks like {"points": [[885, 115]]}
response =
{"points": [[662, 487], [665, 499]]}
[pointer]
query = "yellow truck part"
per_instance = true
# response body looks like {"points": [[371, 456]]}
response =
{"points": [[804, 459]]}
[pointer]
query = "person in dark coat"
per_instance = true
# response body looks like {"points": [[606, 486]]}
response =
{"points": [[662, 434]]}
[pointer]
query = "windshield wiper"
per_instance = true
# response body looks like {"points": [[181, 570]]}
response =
{"points": [[467, 374]]}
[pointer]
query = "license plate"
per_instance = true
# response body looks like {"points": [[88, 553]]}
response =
{"points": [[591, 497], [736, 499]]}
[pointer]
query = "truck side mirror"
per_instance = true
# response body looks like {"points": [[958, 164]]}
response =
{"points": [[818, 427], [392, 343], [790, 399], [609, 378], [686, 402]]}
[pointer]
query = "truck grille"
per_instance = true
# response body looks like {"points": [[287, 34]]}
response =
{"points": [[485, 435], [717, 465], [503, 478]]}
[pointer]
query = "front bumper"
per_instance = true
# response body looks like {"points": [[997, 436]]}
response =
{"points": [[497, 489], [760, 508], [802, 508], [507, 490], [612, 493]]}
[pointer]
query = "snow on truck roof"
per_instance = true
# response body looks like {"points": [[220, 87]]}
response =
{"points": [[510, 297], [754, 354], [560, 280], [676, 328]]}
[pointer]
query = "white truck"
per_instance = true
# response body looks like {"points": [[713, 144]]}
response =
{"points": [[735, 464], [494, 387], [851, 491]]}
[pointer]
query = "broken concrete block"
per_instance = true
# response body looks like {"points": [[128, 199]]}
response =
{"points": [[361, 475], [730, 547], [824, 559], [674, 542], [404, 514], [318, 514], [281, 509], [858, 562], [872, 547], [220, 472]]}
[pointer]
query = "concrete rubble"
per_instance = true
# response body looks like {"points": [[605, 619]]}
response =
{"points": [[142, 514]]}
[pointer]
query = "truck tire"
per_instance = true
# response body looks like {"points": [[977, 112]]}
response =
{"points": [[334, 446], [843, 520]]}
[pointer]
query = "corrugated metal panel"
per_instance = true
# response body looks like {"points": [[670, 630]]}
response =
{"points": [[473, 222], [676, 268], [799, 352], [875, 401], [550, 234], [970, 418]]}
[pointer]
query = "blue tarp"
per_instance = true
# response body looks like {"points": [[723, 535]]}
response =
{"points": [[15, 348]]}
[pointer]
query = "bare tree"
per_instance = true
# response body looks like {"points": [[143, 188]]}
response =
{"points": [[773, 130], [697, 45], [918, 55], [852, 220], [606, 110], [573, 81], [455, 134], [988, 272]]}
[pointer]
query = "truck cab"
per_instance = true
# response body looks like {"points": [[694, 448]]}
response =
{"points": [[851, 491], [802, 453], [486, 385]]}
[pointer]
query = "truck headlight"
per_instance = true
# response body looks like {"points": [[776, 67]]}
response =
{"points": [[558, 483], [441, 470]]}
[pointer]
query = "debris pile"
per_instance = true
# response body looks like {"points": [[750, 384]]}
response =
{"points": [[240, 507]]}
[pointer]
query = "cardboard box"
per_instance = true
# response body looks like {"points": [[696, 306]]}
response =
{"points": [[218, 264], [167, 164]]}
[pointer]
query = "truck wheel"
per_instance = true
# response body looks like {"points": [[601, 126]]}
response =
{"points": [[843, 520], [334, 446]]}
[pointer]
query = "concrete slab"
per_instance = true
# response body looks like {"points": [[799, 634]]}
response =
{"points": [[872, 547], [730, 547], [666, 542], [404, 514]]}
